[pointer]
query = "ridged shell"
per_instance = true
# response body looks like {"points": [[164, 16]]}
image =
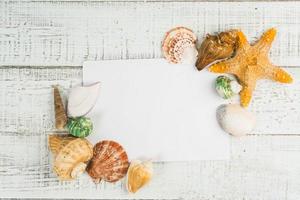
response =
{"points": [[216, 47], [109, 162], [60, 113], [138, 175], [179, 46], [227, 87], [80, 126], [71, 155], [235, 119], [82, 99], [57, 142]]}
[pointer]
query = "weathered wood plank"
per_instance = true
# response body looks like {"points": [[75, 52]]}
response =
{"points": [[261, 167], [27, 103], [69, 32]]}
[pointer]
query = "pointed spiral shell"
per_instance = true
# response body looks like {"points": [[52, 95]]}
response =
{"points": [[60, 113], [109, 162]]}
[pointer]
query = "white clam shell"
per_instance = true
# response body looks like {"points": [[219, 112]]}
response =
{"points": [[82, 99], [235, 120]]}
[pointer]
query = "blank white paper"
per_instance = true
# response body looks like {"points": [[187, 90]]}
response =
{"points": [[157, 110]]}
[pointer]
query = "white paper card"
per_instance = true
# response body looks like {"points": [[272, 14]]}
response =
{"points": [[157, 110]]}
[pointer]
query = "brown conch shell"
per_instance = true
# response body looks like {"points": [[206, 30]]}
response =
{"points": [[60, 113], [109, 162], [176, 44], [216, 47], [139, 174], [71, 155]]}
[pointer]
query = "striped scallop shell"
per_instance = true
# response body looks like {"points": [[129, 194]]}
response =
{"points": [[176, 41], [109, 162], [71, 155]]}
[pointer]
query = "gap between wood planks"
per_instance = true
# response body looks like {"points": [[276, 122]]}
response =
{"points": [[152, 1], [77, 66]]}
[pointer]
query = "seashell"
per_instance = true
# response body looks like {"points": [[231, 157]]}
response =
{"points": [[139, 174], [80, 126], [71, 155], [82, 99], [227, 87], [216, 47], [179, 46], [235, 119], [109, 162], [60, 113], [57, 142]]}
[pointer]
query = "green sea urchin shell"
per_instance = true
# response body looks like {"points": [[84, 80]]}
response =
{"points": [[226, 87], [80, 126]]}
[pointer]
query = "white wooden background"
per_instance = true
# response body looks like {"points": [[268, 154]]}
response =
{"points": [[45, 42]]}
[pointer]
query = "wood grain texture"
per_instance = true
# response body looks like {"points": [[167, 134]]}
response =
{"points": [[42, 42], [66, 33], [25, 171]]}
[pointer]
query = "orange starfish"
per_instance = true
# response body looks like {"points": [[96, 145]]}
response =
{"points": [[251, 63]]}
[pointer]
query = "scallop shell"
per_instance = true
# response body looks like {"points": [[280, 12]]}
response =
{"points": [[179, 46], [57, 142], [80, 126], [216, 47], [71, 155], [227, 87], [138, 175], [82, 99], [235, 120], [60, 113], [109, 162]]}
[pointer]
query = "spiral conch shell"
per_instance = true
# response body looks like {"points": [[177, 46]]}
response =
{"points": [[216, 47], [71, 155], [138, 175], [179, 46], [109, 162]]}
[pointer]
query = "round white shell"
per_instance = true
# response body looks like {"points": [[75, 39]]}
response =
{"points": [[82, 99], [235, 120]]}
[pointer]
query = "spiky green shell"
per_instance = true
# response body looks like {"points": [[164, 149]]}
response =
{"points": [[223, 87], [80, 126]]}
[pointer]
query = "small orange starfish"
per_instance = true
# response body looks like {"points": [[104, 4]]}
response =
{"points": [[251, 63]]}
